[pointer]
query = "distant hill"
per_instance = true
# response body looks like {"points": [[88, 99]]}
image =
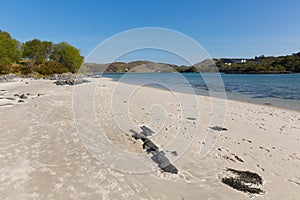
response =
{"points": [[148, 66], [135, 66], [260, 64]]}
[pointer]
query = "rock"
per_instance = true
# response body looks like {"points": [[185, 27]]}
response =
{"points": [[146, 131], [158, 156], [7, 78], [21, 101], [136, 135], [164, 163], [218, 128], [174, 153], [23, 96], [191, 118], [60, 82], [238, 158], [170, 168], [149, 145], [71, 81]]}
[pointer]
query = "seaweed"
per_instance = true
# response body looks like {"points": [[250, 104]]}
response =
{"points": [[244, 181], [247, 176], [238, 185]]}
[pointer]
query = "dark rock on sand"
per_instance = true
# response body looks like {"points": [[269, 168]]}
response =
{"points": [[71, 82], [136, 135], [146, 131], [158, 156], [191, 118], [218, 128], [164, 163], [174, 153], [149, 145], [23, 96], [238, 158]]}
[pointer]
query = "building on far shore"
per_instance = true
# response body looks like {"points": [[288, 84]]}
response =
{"points": [[229, 61]]}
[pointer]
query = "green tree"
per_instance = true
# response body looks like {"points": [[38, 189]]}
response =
{"points": [[67, 55], [9, 48], [37, 50], [57, 48]]}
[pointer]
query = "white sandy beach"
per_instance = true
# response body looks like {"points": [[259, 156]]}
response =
{"points": [[42, 156]]}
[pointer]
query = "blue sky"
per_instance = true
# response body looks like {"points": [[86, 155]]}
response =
{"points": [[225, 28]]}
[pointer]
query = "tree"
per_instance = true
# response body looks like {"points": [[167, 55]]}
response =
{"points": [[9, 52], [67, 55], [56, 50], [37, 50]]}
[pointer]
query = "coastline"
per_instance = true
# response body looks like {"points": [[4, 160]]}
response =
{"points": [[44, 158]]}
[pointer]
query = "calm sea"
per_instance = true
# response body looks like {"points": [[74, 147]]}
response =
{"points": [[281, 90]]}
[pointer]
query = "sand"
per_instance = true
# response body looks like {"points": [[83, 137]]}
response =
{"points": [[48, 152]]}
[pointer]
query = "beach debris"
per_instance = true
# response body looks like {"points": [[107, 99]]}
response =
{"points": [[244, 181], [71, 81], [218, 128], [158, 156]]}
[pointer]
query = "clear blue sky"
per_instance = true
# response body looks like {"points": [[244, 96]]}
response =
{"points": [[225, 28]]}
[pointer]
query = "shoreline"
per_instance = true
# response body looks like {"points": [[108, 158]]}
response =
{"points": [[293, 105]]}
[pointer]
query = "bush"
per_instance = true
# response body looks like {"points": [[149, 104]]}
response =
{"points": [[51, 67], [4, 66]]}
